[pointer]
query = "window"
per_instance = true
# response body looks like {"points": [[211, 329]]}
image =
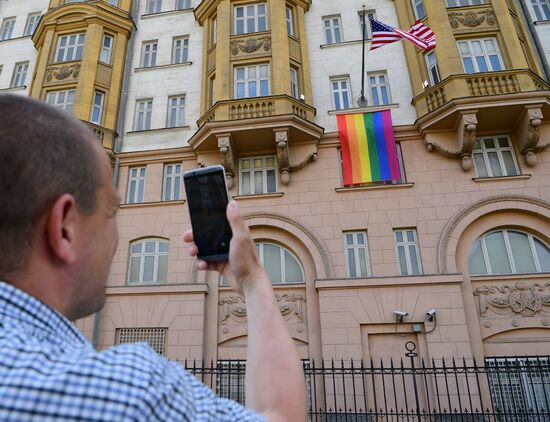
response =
{"points": [[368, 29], [6, 30], [97, 109], [419, 11], [494, 157], [154, 6], [408, 256], [149, 54], [433, 68], [357, 256], [250, 18], [541, 9], [180, 50], [460, 3], [113, 3], [106, 49], [183, 4], [176, 111], [144, 109], [258, 175], [69, 47], [19, 74], [294, 83], [508, 252], [289, 20], [379, 89], [62, 99], [252, 81], [341, 94], [230, 380], [148, 261], [172, 182], [280, 264], [213, 32], [480, 55], [32, 22], [212, 90], [136, 185], [333, 29], [1, 68], [155, 337]]}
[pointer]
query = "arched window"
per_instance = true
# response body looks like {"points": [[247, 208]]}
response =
{"points": [[508, 252], [280, 264], [148, 261]]}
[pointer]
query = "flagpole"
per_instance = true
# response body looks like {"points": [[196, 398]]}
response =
{"points": [[362, 100]]}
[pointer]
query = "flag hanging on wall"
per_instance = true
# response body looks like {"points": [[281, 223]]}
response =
{"points": [[419, 34], [369, 153]]}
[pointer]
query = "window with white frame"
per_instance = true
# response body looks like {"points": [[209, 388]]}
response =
{"points": [[280, 264], [541, 9], [494, 157], [407, 251], [136, 185], [180, 50], [97, 108], [70, 47], [155, 337], [144, 110], [176, 111], [419, 10], [370, 14], [252, 81], [481, 55], [6, 31], [62, 99], [212, 90], [289, 20], [508, 252], [19, 74], [258, 175], [148, 261], [250, 18], [213, 31], [172, 182], [294, 91], [357, 254], [154, 6], [462, 3], [332, 26], [183, 4], [433, 68], [341, 93], [32, 22], [149, 54], [113, 3], [106, 49], [379, 88]]}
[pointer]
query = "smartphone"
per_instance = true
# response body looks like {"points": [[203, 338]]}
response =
{"points": [[207, 200]]}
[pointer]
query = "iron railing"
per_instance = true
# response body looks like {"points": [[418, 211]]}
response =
{"points": [[506, 389]]}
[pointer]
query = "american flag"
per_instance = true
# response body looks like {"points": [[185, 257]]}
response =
{"points": [[418, 34]]}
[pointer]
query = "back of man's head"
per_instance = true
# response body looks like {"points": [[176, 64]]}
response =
{"points": [[44, 153]]}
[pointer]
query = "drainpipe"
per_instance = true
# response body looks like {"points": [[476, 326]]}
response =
{"points": [[536, 39], [118, 142]]}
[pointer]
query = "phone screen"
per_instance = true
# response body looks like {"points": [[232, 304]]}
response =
{"points": [[207, 201]]}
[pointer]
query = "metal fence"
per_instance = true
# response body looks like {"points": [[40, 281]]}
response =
{"points": [[501, 389]]}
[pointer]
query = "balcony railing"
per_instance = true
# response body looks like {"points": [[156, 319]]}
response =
{"points": [[475, 85], [106, 136]]}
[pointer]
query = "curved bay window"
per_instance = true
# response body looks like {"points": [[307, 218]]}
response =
{"points": [[148, 262], [508, 252]]}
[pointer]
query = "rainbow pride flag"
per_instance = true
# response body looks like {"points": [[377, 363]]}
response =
{"points": [[368, 146]]}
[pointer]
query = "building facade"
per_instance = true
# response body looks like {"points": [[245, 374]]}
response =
{"points": [[257, 86]]}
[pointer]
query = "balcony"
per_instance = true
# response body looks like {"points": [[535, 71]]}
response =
{"points": [[106, 136]]}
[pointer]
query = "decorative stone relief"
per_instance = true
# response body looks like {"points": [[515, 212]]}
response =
{"points": [[530, 135], [471, 19], [62, 72], [290, 305], [281, 140], [466, 136], [250, 45], [227, 157], [527, 299]]}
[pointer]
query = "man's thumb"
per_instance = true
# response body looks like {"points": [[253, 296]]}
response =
{"points": [[234, 217]]}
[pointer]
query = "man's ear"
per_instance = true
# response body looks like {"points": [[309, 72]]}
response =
{"points": [[61, 228]]}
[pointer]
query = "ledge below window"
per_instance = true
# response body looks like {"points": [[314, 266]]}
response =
{"points": [[166, 12], [259, 196], [367, 109], [338, 44], [161, 66], [375, 187], [156, 288], [153, 204], [160, 129], [500, 178], [14, 88]]}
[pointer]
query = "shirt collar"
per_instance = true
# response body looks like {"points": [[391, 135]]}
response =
{"points": [[19, 308]]}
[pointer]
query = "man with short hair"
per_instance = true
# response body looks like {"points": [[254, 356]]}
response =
{"points": [[58, 236]]}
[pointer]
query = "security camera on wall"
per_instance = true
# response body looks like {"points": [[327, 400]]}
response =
{"points": [[302, 97], [399, 315], [431, 314]]}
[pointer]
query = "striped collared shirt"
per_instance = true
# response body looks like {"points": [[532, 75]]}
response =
{"points": [[50, 372]]}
